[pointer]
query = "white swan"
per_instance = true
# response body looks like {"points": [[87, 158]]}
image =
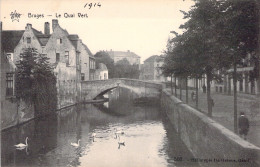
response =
{"points": [[121, 142], [118, 132], [21, 145], [75, 144]]}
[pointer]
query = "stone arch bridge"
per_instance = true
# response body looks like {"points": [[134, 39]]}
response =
{"points": [[91, 89]]}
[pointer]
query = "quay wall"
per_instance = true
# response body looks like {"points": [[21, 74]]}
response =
{"points": [[207, 139]]}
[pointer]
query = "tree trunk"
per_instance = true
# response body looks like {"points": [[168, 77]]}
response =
{"points": [[175, 86], [258, 53], [209, 101], [180, 88], [171, 85], [235, 95], [197, 91], [187, 91]]}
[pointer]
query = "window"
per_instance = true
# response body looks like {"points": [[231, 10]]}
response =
{"points": [[28, 39], [57, 57], [9, 56], [105, 76], [67, 57], [59, 41], [9, 84], [91, 63], [82, 76]]}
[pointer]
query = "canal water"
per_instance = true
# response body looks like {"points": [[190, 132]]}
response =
{"points": [[144, 137]]}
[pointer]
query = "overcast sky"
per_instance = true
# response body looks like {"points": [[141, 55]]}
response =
{"points": [[141, 26]]}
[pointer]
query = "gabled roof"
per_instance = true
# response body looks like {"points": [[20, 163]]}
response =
{"points": [[89, 52], [43, 39], [36, 32], [10, 39], [74, 39]]}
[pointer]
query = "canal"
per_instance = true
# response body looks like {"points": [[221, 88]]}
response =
{"points": [[148, 137]]}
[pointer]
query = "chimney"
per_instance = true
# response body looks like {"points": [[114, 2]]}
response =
{"points": [[28, 26], [54, 24], [47, 28]]}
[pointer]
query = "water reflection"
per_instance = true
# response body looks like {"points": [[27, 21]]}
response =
{"points": [[148, 138]]}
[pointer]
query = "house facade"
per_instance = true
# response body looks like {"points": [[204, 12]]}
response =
{"points": [[101, 72], [63, 54], [70, 57], [151, 69], [246, 81], [120, 55]]}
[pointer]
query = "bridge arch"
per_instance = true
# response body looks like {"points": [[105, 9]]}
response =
{"points": [[104, 92], [91, 89]]}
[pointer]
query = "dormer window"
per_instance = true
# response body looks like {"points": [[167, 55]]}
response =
{"points": [[28, 39], [59, 41]]}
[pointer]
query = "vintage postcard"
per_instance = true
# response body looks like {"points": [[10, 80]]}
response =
{"points": [[130, 83]]}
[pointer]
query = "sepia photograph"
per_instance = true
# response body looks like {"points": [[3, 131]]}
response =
{"points": [[130, 83]]}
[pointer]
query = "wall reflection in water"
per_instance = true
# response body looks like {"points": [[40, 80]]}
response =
{"points": [[148, 138]]}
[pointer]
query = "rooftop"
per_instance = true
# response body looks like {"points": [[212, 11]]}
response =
{"points": [[10, 39], [122, 54]]}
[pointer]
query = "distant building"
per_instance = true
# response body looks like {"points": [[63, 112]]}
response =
{"points": [[151, 69], [120, 55], [246, 83], [101, 72]]}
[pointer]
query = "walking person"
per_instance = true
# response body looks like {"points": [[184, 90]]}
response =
{"points": [[243, 125]]}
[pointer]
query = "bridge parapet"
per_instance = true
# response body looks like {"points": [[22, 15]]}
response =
{"points": [[91, 89]]}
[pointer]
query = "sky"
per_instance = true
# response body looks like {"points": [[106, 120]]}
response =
{"points": [[141, 26]]}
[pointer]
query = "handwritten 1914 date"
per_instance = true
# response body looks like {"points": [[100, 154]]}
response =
{"points": [[90, 5]]}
